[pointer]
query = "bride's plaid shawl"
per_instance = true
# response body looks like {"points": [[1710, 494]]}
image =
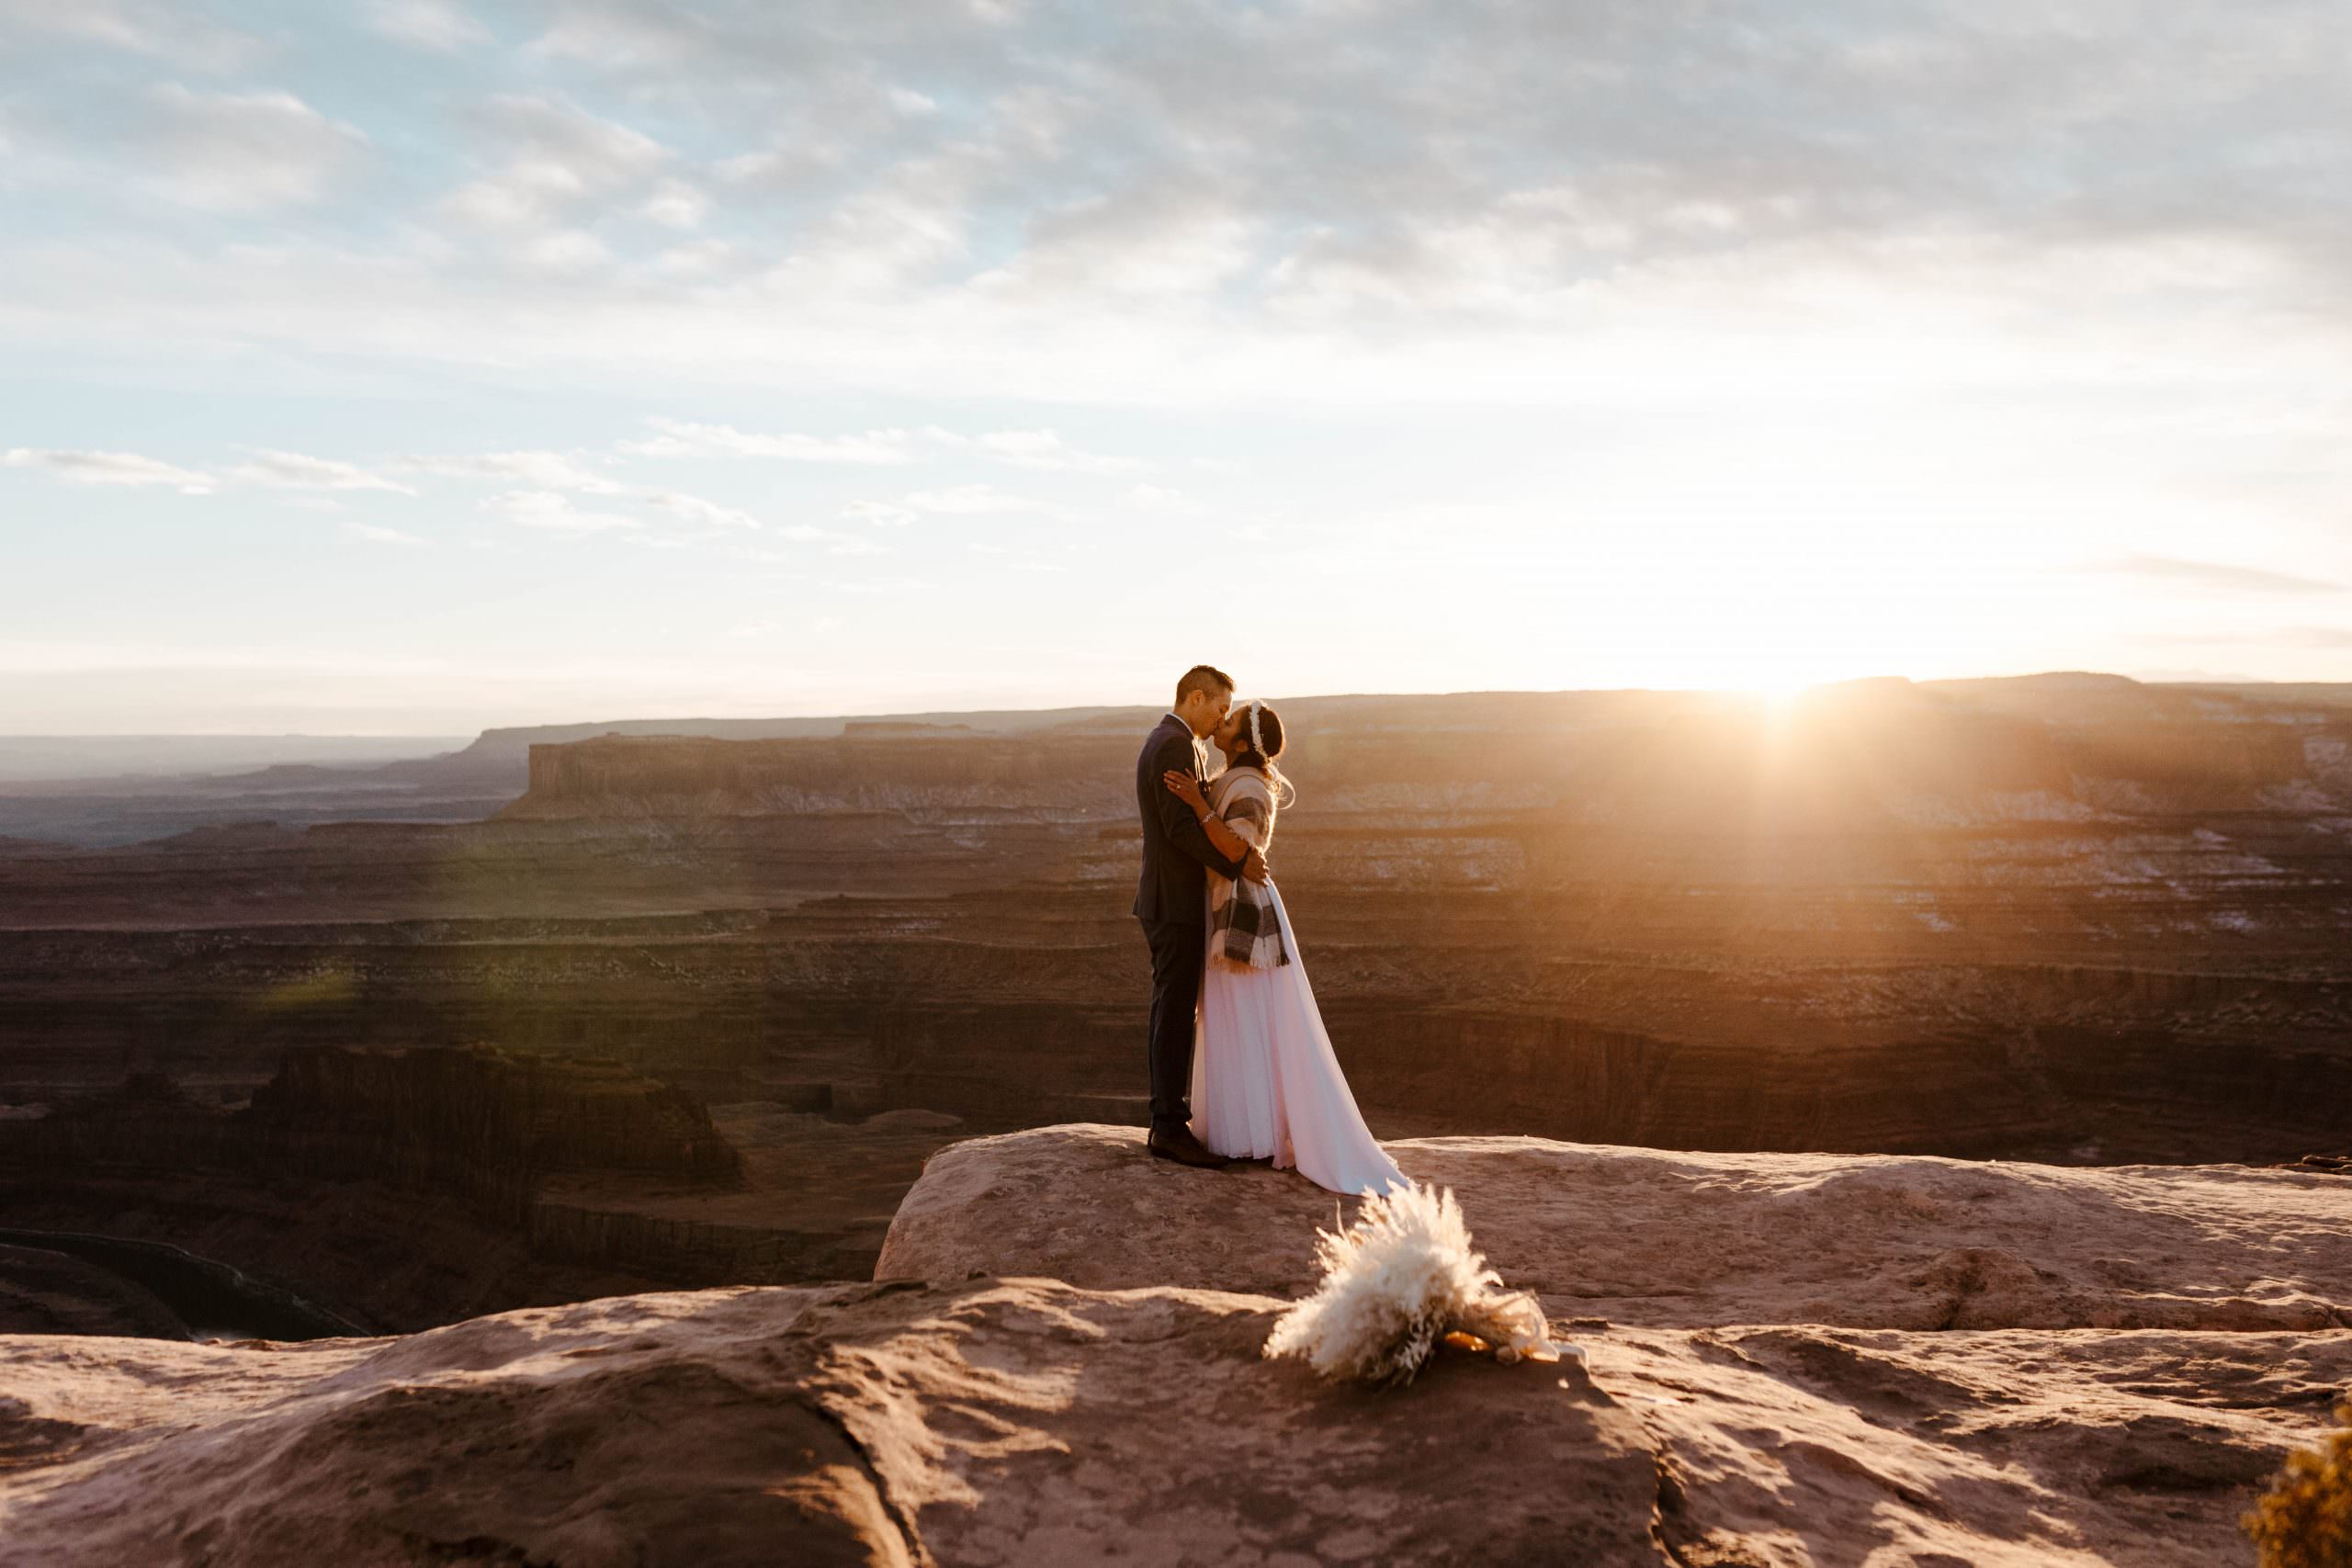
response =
{"points": [[1242, 926]]}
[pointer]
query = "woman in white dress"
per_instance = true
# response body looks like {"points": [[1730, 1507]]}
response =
{"points": [[1265, 1080]]}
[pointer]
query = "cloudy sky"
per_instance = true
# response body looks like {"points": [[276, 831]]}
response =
{"points": [[417, 365]]}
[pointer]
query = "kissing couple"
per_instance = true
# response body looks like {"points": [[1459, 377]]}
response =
{"points": [[1242, 1066]]}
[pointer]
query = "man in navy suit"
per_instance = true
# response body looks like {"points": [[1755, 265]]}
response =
{"points": [[1172, 902]]}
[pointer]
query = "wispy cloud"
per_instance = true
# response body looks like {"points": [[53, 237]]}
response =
{"points": [[240, 153], [376, 535], [833, 543], [1041, 449], [434, 25], [683, 438], [545, 473], [127, 469], [293, 470], [877, 514], [975, 198], [154, 28], [538, 470], [701, 258], [553, 160], [1935, 296], [265, 469], [677, 205], [965, 501], [695, 509], [554, 513]]}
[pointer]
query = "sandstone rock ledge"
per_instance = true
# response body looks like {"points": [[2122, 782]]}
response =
{"points": [[1804, 1363], [1679, 1240], [1003, 1422]]}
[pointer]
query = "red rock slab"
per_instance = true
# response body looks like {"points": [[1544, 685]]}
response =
{"points": [[1000, 1422], [1678, 1240]]}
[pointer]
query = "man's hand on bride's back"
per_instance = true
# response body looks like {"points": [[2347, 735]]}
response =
{"points": [[1253, 866]]}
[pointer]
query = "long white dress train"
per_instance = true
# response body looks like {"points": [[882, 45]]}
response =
{"points": [[1266, 1081]]}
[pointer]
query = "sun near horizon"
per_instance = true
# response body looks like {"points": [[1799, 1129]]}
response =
{"points": [[419, 367]]}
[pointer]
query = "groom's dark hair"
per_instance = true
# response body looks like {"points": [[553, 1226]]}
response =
{"points": [[1202, 677]]}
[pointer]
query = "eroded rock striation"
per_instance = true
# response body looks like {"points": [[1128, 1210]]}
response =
{"points": [[982, 1415]]}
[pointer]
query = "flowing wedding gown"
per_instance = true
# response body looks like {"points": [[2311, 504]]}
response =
{"points": [[1266, 1081]]}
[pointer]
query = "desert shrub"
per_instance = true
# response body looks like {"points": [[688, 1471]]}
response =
{"points": [[2305, 1521]]}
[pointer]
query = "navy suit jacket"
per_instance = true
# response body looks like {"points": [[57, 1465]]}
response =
{"points": [[1177, 853]]}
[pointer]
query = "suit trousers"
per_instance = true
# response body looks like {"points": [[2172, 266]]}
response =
{"points": [[1179, 951]]}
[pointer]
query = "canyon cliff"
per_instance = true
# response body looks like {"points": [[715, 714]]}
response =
{"points": [[487, 1141], [2071, 918]]}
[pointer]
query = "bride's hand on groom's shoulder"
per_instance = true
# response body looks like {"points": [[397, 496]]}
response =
{"points": [[1184, 787]]}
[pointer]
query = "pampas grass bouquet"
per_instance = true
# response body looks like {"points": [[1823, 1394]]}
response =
{"points": [[1395, 1283]]}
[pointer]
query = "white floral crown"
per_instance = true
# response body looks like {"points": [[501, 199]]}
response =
{"points": [[1257, 744]]}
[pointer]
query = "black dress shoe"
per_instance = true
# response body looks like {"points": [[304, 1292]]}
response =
{"points": [[1184, 1149]]}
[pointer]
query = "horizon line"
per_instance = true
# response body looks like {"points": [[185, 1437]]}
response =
{"points": [[1114, 707]]}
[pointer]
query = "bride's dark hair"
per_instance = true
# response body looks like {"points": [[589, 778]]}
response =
{"points": [[1270, 731]]}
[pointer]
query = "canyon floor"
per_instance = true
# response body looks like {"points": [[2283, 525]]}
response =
{"points": [[1789, 1359], [2071, 918]]}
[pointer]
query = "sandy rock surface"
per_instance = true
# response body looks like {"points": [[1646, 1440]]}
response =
{"points": [[1013, 1421], [1680, 1240], [1725, 1417], [1789, 1446], [1836, 1359]]}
